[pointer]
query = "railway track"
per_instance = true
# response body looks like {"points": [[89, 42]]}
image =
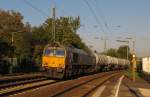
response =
{"points": [[79, 87], [22, 77], [7, 85], [23, 86], [9, 81], [85, 88], [14, 84]]}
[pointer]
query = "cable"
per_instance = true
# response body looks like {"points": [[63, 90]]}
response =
{"points": [[102, 17], [94, 14], [35, 8]]}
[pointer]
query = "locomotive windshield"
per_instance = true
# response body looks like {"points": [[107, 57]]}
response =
{"points": [[49, 52], [59, 52], [54, 52]]}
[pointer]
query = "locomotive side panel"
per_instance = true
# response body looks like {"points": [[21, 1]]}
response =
{"points": [[83, 64]]}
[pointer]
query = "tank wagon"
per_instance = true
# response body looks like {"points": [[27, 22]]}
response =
{"points": [[108, 63], [65, 62]]}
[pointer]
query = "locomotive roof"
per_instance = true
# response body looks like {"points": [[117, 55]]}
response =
{"points": [[76, 50]]}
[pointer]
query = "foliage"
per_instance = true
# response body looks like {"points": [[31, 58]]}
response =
{"points": [[4, 65], [10, 22], [65, 30], [16, 34], [65, 33], [4, 48], [128, 73], [26, 43], [112, 52], [121, 52], [139, 64]]}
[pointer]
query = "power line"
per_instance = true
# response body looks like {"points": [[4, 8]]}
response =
{"points": [[102, 17], [94, 14], [35, 8]]}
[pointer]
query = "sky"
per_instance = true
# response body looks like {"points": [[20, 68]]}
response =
{"points": [[112, 19]]}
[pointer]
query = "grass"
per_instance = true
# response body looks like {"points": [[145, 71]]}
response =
{"points": [[128, 73]]}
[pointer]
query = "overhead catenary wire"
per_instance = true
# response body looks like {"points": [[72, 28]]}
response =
{"points": [[41, 11], [44, 14], [98, 22], [94, 14], [102, 17], [35, 8]]}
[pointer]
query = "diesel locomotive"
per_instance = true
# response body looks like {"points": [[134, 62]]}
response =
{"points": [[61, 62]]}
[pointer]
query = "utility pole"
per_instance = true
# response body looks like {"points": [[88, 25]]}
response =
{"points": [[53, 21], [12, 55], [12, 38], [128, 50], [133, 62], [105, 43], [133, 46]]}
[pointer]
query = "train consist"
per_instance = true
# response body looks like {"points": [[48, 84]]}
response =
{"points": [[65, 62]]}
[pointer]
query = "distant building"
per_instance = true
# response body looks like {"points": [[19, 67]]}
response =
{"points": [[146, 64]]}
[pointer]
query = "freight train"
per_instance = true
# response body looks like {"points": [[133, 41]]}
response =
{"points": [[66, 62]]}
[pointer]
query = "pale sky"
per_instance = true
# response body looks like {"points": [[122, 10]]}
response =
{"points": [[115, 19]]}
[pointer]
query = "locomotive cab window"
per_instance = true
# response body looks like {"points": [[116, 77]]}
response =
{"points": [[49, 52], [59, 52], [54, 52]]}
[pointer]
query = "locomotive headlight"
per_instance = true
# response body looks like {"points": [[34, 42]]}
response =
{"points": [[45, 64], [59, 65]]}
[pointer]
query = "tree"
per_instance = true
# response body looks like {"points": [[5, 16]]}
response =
{"points": [[4, 48], [4, 65], [112, 52], [65, 29], [11, 21], [122, 52], [12, 24], [65, 33], [28, 42]]}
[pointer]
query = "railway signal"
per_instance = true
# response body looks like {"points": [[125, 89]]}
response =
{"points": [[133, 66]]}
